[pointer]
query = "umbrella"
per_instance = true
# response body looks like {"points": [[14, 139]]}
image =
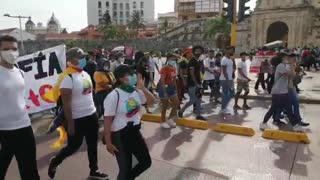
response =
{"points": [[119, 48]]}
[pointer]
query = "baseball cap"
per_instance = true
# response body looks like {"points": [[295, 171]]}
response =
{"points": [[75, 53]]}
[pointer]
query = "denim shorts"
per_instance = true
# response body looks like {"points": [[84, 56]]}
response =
{"points": [[171, 91]]}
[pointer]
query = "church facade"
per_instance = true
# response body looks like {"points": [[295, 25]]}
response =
{"points": [[53, 26], [295, 22]]}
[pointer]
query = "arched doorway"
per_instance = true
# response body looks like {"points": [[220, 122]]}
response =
{"points": [[278, 31]]}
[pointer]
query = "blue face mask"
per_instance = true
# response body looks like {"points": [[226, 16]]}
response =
{"points": [[133, 80], [82, 63], [172, 63]]}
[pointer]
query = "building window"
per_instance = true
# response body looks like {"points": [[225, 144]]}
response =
{"points": [[100, 12], [121, 21], [100, 20], [115, 6], [127, 14], [121, 6], [134, 6], [121, 14], [128, 21], [141, 4], [107, 4], [99, 4], [127, 6], [115, 14], [141, 13]]}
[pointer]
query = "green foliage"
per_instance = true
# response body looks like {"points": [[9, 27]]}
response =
{"points": [[165, 26], [219, 25], [113, 32], [136, 21], [106, 19]]}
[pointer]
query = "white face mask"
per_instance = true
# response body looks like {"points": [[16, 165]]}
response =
{"points": [[9, 56], [121, 60]]}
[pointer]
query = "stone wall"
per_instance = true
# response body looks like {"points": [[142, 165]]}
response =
{"points": [[138, 44]]}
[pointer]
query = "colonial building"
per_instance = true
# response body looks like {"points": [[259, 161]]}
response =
{"points": [[53, 26], [295, 22]]}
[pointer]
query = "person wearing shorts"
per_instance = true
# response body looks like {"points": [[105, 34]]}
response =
{"points": [[167, 89], [243, 83]]}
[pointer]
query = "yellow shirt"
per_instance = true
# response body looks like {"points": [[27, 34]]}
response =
{"points": [[102, 80]]}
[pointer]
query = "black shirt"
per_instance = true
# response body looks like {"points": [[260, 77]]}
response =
{"points": [[196, 65]]}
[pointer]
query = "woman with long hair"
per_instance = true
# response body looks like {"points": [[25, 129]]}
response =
{"points": [[167, 89], [122, 122]]}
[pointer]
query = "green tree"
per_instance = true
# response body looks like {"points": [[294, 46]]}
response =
{"points": [[106, 19], [219, 25], [113, 32], [165, 26], [136, 21]]}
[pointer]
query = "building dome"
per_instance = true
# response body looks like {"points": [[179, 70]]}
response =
{"points": [[53, 20], [30, 22]]}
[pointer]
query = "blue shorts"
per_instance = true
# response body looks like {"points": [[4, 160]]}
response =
{"points": [[171, 91]]}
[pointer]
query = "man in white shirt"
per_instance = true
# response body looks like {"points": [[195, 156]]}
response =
{"points": [[16, 134], [226, 79], [209, 74], [242, 82]]}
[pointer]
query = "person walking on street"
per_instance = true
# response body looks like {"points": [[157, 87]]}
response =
{"points": [[226, 80], [167, 89], [242, 83], [264, 68], [209, 74], [194, 83], [80, 115], [16, 134], [122, 123]]}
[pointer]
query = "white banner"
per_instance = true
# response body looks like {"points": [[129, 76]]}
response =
{"points": [[42, 70]]}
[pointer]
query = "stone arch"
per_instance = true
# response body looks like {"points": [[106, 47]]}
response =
{"points": [[278, 31]]}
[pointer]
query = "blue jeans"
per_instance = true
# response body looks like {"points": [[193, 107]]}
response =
{"points": [[227, 92], [194, 99], [279, 103], [293, 97]]}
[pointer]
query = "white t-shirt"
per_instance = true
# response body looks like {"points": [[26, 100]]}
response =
{"points": [[210, 64], [82, 104], [229, 63], [243, 66], [128, 110], [152, 64], [13, 112]]}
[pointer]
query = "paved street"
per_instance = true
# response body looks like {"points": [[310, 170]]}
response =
{"points": [[182, 153]]}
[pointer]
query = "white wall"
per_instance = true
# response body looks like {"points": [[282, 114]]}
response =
{"points": [[93, 10], [25, 35]]}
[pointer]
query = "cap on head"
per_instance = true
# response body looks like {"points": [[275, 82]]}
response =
{"points": [[75, 53], [122, 71]]}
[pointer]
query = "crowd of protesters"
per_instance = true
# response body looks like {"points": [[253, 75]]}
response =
{"points": [[117, 88]]}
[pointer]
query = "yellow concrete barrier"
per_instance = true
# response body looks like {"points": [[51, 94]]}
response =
{"points": [[234, 129], [151, 118], [190, 123], [286, 136]]}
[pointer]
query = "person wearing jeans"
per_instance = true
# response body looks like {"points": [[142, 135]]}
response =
{"points": [[16, 135], [79, 115], [227, 92], [122, 123]]}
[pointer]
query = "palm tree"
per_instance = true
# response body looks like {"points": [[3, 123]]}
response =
{"points": [[219, 25], [137, 21], [106, 19], [113, 32]]}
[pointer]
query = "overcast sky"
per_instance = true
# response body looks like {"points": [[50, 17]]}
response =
{"points": [[71, 13]]}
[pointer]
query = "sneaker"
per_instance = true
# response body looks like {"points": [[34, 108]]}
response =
{"points": [[98, 175], [165, 125], [180, 114], [52, 168], [171, 123], [201, 118], [265, 92], [264, 126], [304, 124], [225, 112], [257, 91], [278, 122], [297, 128], [246, 107], [236, 107]]}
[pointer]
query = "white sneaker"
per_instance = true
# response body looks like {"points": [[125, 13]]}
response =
{"points": [[264, 126], [225, 112], [266, 92], [165, 125], [171, 123], [298, 128]]}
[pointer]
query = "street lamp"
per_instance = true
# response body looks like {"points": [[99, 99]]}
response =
{"points": [[21, 36]]}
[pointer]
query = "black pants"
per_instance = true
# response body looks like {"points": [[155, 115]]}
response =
{"points": [[260, 81], [129, 142], [99, 99], [86, 127], [270, 82], [21, 144]]}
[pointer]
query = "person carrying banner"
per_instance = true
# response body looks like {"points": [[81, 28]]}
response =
{"points": [[122, 123], [16, 134], [79, 114]]}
